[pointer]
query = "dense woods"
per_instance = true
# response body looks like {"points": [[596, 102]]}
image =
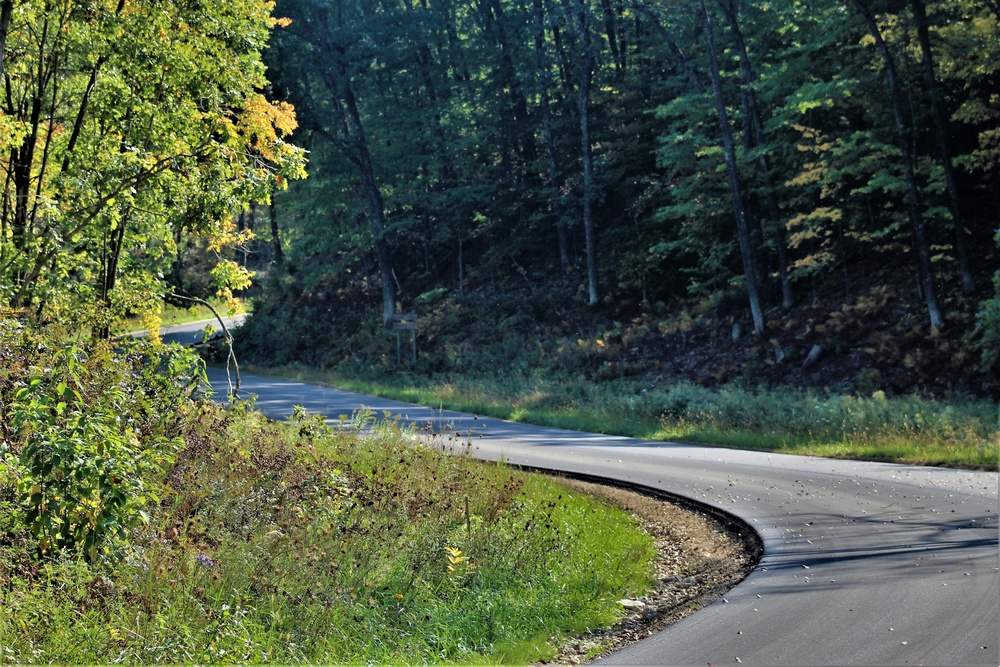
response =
{"points": [[819, 174], [731, 160]]}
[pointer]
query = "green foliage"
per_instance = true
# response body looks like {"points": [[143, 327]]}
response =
{"points": [[134, 127], [471, 118], [89, 435]]}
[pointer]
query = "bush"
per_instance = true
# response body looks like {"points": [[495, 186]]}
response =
{"points": [[88, 435]]}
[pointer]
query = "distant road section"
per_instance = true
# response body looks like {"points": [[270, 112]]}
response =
{"points": [[864, 563], [191, 333]]}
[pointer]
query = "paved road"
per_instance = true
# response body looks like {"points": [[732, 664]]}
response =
{"points": [[191, 333], [864, 563]]}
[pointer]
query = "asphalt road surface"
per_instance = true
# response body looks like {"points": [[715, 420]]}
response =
{"points": [[864, 563], [191, 333]]}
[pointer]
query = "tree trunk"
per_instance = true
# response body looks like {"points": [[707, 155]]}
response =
{"points": [[747, 251], [544, 83], [913, 195], [588, 190], [377, 206], [755, 139], [580, 19], [522, 139], [944, 148], [279, 256], [611, 30], [6, 9], [109, 273]]}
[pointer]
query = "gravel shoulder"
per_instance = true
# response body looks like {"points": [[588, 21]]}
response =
{"points": [[697, 562]]}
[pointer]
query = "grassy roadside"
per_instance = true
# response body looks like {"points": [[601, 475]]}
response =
{"points": [[300, 542], [138, 525], [963, 434]]}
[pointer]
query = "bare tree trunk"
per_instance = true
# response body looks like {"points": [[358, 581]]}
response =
{"points": [[376, 206], [913, 195], [944, 149], [611, 30], [756, 138], [585, 75], [279, 256], [544, 82], [6, 9], [747, 251]]}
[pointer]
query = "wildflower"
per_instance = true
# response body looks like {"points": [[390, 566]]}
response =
{"points": [[205, 561]]}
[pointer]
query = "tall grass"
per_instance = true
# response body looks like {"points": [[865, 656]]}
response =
{"points": [[903, 429], [301, 542]]}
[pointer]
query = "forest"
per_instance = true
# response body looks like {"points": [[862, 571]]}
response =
{"points": [[740, 183], [795, 178]]}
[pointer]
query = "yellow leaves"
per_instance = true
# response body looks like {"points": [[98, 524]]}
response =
{"points": [[227, 275], [12, 131], [813, 140], [151, 322], [809, 225], [814, 261], [457, 563], [227, 234], [265, 123], [821, 213], [812, 174]]}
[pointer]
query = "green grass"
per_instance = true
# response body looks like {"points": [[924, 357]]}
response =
{"points": [[303, 543], [877, 427]]}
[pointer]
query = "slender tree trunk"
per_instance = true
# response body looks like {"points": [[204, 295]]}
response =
{"points": [[461, 268], [588, 190], [747, 251], [109, 274], [522, 139], [279, 256], [544, 83], [611, 30], [6, 9], [944, 148], [585, 74], [377, 206], [913, 195], [756, 138]]}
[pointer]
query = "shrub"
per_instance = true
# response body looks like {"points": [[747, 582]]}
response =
{"points": [[88, 434]]}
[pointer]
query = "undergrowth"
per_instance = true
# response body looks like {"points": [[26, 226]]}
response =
{"points": [[292, 542]]}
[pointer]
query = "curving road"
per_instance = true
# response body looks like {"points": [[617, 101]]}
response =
{"points": [[190, 333], [864, 563]]}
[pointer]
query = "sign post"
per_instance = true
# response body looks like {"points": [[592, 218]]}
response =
{"points": [[405, 322]]}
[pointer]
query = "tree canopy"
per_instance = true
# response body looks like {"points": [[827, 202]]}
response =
{"points": [[126, 125]]}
